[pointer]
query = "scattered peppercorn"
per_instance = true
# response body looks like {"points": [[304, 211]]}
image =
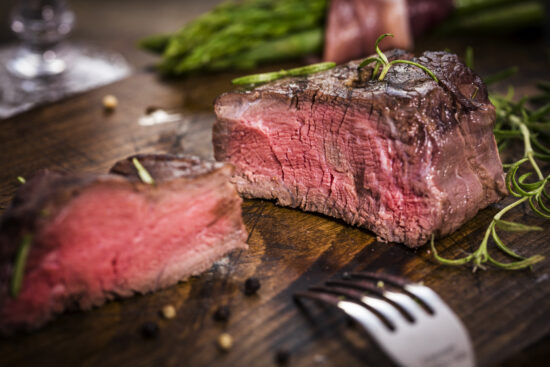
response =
{"points": [[150, 329], [225, 342], [110, 102], [346, 276], [222, 314], [282, 356], [251, 286], [168, 312]]}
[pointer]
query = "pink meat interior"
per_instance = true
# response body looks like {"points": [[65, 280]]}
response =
{"points": [[112, 239], [337, 161]]}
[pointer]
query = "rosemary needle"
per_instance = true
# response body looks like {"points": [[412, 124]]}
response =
{"points": [[255, 79], [19, 266], [382, 61], [142, 172]]}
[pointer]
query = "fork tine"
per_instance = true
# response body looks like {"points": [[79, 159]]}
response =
{"points": [[398, 282], [361, 314], [358, 285], [428, 297], [339, 291], [357, 297], [366, 318], [317, 296], [405, 302], [390, 313], [402, 305], [386, 309]]}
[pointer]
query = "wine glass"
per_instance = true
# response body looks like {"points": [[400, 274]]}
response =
{"points": [[44, 67], [41, 25]]}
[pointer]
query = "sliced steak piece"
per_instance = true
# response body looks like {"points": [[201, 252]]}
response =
{"points": [[95, 237], [405, 157]]}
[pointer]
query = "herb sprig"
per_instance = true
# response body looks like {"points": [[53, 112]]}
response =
{"points": [[256, 79], [382, 61], [19, 266], [142, 172], [515, 121]]}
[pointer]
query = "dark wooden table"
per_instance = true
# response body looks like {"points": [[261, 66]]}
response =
{"points": [[506, 313]]}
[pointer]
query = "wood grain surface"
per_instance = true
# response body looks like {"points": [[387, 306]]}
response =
{"points": [[506, 313]]}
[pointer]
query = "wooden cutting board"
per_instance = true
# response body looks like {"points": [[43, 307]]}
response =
{"points": [[505, 312]]}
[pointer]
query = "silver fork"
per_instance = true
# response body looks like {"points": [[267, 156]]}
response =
{"points": [[409, 321]]}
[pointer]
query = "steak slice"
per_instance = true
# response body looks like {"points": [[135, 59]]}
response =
{"points": [[405, 157], [95, 237]]}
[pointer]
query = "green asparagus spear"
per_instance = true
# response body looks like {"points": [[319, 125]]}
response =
{"points": [[291, 47], [242, 35]]}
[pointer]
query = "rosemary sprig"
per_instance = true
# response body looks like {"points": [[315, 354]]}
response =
{"points": [[142, 172], [526, 192], [19, 266], [382, 61], [256, 79], [515, 121]]}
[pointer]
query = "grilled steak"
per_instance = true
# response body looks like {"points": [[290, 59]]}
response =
{"points": [[95, 237], [405, 157]]}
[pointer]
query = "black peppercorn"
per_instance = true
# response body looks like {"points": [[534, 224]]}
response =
{"points": [[251, 286], [149, 330], [222, 314], [282, 356]]}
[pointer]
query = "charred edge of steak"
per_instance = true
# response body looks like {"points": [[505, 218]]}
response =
{"points": [[165, 167], [402, 82]]}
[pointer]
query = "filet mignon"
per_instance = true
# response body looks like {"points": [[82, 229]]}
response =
{"points": [[406, 157], [95, 237]]}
